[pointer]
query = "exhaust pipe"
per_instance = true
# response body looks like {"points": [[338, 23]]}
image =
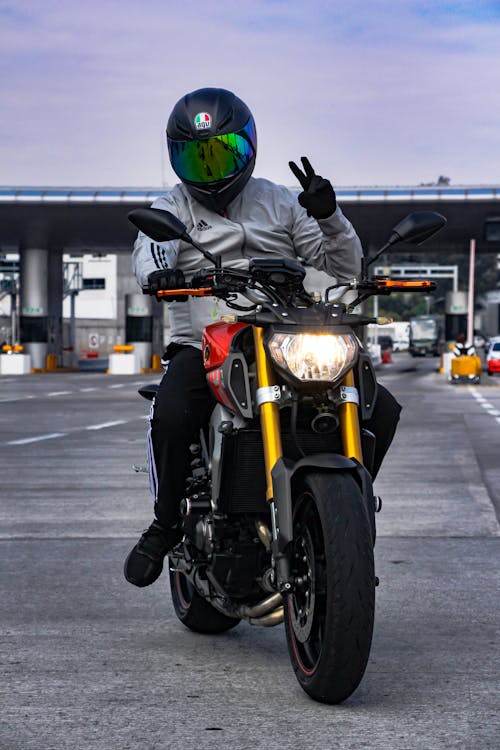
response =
{"points": [[270, 620], [268, 612], [262, 608], [264, 534]]}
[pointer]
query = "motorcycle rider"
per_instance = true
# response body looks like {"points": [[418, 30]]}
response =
{"points": [[460, 348], [212, 145]]}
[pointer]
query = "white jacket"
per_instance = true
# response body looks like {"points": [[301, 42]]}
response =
{"points": [[264, 220]]}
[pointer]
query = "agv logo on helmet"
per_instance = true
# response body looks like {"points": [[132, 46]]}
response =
{"points": [[202, 121]]}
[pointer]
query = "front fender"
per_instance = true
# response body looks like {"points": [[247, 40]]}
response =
{"points": [[282, 474]]}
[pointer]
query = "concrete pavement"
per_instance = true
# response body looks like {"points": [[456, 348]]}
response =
{"points": [[90, 662]]}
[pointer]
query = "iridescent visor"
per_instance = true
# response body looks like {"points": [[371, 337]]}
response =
{"points": [[214, 158]]}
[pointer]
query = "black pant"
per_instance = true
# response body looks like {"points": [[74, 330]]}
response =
{"points": [[183, 405]]}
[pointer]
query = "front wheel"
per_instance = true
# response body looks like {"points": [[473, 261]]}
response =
{"points": [[195, 612], [329, 616]]}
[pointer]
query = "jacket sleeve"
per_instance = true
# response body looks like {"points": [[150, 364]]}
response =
{"points": [[330, 245], [149, 256]]}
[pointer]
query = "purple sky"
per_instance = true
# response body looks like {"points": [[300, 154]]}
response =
{"points": [[374, 91]]}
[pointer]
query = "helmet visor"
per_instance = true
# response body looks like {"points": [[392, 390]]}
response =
{"points": [[213, 159]]}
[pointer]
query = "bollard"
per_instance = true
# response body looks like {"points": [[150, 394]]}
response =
{"points": [[156, 363], [124, 360], [51, 362], [14, 361]]}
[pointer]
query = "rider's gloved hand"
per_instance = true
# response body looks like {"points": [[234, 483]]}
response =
{"points": [[169, 278], [319, 197]]}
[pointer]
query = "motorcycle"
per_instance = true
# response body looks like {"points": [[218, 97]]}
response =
{"points": [[279, 510], [466, 365]]}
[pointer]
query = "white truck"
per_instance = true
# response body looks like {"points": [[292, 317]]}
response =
{"points": [[398, 330]]}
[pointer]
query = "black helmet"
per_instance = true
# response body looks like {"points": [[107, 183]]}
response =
{"points": [[212, 145]]}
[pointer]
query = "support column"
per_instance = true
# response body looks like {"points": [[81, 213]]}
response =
{"points": [[34, 305], [54, 306], [139, 327]]}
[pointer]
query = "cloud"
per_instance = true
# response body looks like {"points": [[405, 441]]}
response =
{"points": [[377, 92]]}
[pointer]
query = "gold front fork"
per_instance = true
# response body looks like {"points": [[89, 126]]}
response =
{"points": [[270, 417], [349, 424], [269, 411]]}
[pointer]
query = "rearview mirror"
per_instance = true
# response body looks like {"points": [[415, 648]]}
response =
{"points": [[162, 226], [417, 227], [159, 225]]}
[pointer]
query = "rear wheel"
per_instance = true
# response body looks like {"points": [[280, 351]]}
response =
{"points": [[329, 616], [195, 612]]}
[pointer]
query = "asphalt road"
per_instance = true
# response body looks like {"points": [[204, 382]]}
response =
{"points": [[89, 662]]}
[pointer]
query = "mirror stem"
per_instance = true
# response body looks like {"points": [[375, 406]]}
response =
{"points": [[382, 250], [205, 253], [364, 268]]}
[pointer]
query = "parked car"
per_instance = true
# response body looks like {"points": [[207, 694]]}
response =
{"points": [[493, 356]]}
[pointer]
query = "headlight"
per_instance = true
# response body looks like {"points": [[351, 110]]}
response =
{"points": [[314, 357]]}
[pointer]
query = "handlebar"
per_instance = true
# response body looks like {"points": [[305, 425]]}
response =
{"points": [[226, 283]]}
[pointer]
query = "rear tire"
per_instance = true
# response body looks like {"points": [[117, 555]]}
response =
{"points": [[195, 612], [329, 616]]}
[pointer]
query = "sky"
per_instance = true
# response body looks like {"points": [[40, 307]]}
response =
{"points": [[374, 92]]}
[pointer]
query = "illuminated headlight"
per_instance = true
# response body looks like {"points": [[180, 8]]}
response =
{"points": [[314, 357]]}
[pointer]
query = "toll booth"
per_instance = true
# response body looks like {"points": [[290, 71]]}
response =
{"points": [[455, 320]]}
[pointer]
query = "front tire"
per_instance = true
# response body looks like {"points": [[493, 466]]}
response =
{"points": [[329, 616], [195, 612]]}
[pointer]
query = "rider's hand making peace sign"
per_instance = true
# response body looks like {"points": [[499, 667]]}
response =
{"points": [[318, 196]]}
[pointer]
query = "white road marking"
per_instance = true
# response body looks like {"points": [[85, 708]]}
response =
{"points": [[477, 394], [106, 424], [87, 390], [23, 441], [486, 405], [117, 385], [51, 435], [59, 393], [16, 398]]}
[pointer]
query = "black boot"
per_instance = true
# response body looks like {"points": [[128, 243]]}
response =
{"points": [[145, 562]]}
